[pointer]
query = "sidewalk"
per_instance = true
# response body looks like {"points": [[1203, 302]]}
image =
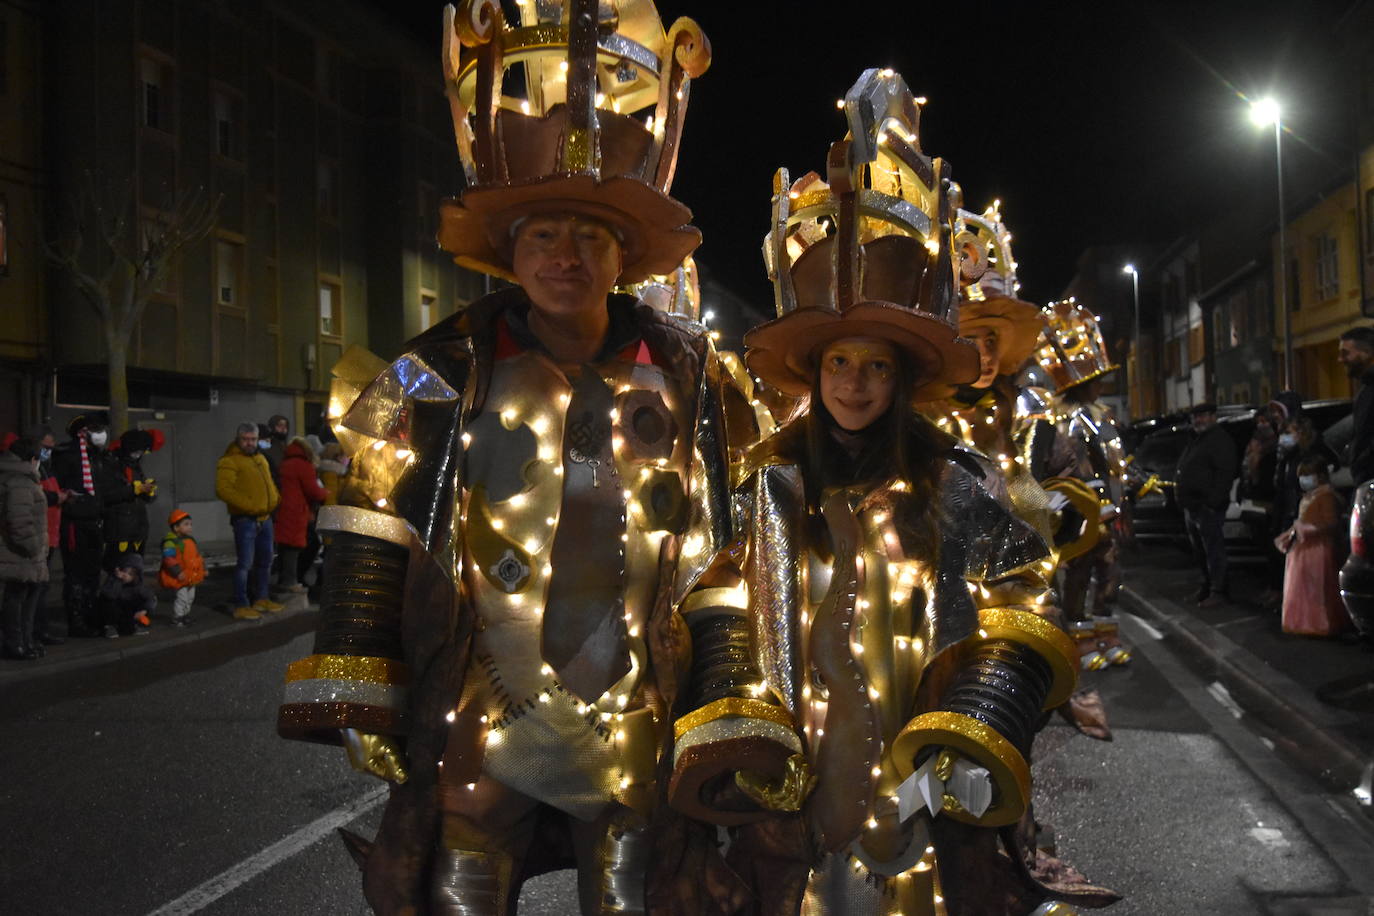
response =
{"points": [[211, 617], [1312, 698]]}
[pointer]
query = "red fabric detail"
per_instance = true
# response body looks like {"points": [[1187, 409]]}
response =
{"points": [[7, 440], [49, 485], [87, 482], [301, 492], [159, 440], [506, 344]]}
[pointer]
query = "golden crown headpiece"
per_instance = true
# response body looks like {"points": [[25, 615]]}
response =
{"points": [[677, 293], [989, 294], [879, 226], [870, 251], [1072, 349], [577, 106], [992, 241]]}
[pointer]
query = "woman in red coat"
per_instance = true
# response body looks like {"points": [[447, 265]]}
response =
{"points": [[301, 493]]}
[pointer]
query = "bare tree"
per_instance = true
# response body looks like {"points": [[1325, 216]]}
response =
{"points": [[130, 261]]}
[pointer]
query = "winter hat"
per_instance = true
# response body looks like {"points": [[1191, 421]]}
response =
{"points": [[96, 419], [130, 561]]}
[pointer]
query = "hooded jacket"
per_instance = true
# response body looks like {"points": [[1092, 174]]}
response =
{"points": [[300, 493], [23, 522], [244, 483]]}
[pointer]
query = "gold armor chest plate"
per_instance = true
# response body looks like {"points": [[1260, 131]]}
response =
{"points": [[520, 457]]}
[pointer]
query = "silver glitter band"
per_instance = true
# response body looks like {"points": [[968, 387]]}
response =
{"points": [[329, 690]]}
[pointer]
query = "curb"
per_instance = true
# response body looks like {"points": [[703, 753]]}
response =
{"points": [[1260, 689], [29, 671]]}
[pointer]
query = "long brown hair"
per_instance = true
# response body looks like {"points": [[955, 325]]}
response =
{"points": [[900, 444]]}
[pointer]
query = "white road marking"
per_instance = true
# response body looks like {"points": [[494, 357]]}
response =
{"points": [[1223, 696], [1154, 632], [1270, 837], [198, 898]]}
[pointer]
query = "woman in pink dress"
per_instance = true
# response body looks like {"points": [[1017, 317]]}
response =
{"points": [[1315, 549]]}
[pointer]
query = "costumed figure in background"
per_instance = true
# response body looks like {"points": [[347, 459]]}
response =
{"points": [[995, 417], [872, 667], [1074, 354], [83, 472], [533, 484], [748, 418], [126, 505]]}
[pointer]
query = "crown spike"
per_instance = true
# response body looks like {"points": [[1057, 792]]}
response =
{"points": [[687, 54], [775, 254], [581, 149]]}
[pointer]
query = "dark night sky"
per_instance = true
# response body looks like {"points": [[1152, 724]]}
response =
{"points": [[1095, 123]]}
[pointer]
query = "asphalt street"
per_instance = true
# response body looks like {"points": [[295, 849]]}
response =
{"points": [[158, 785]]}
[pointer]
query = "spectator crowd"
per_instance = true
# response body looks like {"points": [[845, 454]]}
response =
{"points": [[79, 511], [1303, 479]]}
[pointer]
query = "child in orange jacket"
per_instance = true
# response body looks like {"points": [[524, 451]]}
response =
{"points": [[182, 566]]}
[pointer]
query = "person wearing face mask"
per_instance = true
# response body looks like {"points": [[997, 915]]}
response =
{"points": [[274, 449], [42, 435], [83, 474], [1314, 550], [1205, 472]]}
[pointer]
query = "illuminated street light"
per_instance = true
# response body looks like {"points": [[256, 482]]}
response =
{"points": [[1135, 341], [1264, 112]]}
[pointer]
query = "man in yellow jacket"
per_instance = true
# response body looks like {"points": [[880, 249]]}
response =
{"points": [[243, 481]]}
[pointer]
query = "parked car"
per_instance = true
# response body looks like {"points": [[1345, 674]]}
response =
{"points": [[1357, 575]]}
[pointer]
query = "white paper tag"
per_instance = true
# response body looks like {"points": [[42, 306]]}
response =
{"points": [[972, 785]]}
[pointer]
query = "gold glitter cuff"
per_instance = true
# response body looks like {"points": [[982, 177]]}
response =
{"points": [[721, 598], [377, 525], [979, 743], [731, 706], [1041, 636], [388, 671]]}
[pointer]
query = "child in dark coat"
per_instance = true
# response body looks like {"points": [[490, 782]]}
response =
{"points": [[124, 598]]}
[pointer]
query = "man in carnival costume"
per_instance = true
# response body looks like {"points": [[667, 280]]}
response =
{"points": [[535, 484], [1074, 355], [873, 666]]}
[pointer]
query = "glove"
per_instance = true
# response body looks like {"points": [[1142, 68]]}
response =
{"points": [[377, 755]]}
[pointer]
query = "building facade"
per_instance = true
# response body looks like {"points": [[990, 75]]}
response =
{"points": [[323, 131]]}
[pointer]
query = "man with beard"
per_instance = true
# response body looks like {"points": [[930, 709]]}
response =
{"points": [[1357, 355]]}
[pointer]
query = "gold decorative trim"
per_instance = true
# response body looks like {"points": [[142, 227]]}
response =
{"points": [[388, 671], [728, 597], [1042, 636], [979, 743], [731, 706]]}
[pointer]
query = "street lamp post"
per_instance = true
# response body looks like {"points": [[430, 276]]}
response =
{"points": [[1135, 334], [1264, 112]]}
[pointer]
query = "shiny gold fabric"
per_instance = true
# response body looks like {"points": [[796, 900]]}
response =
{"points": [[899, 610]]}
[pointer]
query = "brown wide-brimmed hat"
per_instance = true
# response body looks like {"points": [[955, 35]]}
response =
{"points": [[592, 130], [652, 227], [785, 352], [1018, 326]]}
